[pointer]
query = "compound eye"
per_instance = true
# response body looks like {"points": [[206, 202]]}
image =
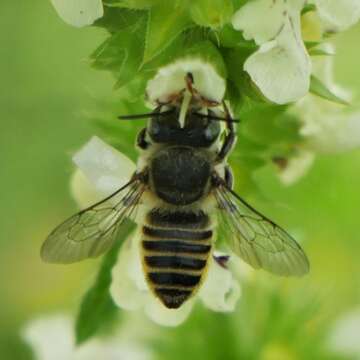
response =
{"points": [[168, 119], [155, 128], [212, 131], [208, 133]]}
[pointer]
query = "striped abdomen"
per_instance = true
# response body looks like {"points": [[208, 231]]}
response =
{"points": [[175, 250]]}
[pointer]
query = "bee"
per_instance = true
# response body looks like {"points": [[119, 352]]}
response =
{"points": [[185, 184]]}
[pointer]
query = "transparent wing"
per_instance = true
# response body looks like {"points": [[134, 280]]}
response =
{"points": [[92, 231], [256, 239]]}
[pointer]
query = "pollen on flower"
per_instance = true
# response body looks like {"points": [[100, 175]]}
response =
{"points": [[311, 27]]}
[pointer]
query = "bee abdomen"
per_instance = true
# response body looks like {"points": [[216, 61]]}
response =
{"points": [[171, 246], [178, 219], [176, 247], [177, 234], [174, 279], [175, 262]]}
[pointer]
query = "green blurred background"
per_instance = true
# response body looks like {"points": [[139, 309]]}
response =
{"points": [[47, 90]]}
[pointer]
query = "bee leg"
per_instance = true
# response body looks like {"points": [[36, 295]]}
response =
{"points": [[226, 147], [141, 139], [229, 177], [230, 138], [222, 260]]}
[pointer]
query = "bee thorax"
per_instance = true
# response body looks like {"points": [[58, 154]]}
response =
{"points": [[180, 175]]}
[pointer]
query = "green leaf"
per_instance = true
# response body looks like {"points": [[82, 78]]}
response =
{"points": [[265, 129], [211, 13], [228, 37], [122, 53], [235, 59], [307, 8], [317, 87], [239, 3], [208, 52], [165, 23], [268, 124], [120, 134], [311, 44], [319, 52], [193, 45], [116, 19], [97, 309], [131, 4]]}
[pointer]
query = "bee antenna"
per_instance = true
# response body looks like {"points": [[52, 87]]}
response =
{"points": [[211, 117], [144, 116]]}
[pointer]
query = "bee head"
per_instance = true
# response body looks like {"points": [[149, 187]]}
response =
{"points": [[184, 117], [197, 129], [186, 120]]}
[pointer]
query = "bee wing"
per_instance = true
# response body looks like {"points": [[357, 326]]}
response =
{"points": [[92, 231], [256, 239]]}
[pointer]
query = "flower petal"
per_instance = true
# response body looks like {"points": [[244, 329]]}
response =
{"points": [[326, 126], [83, 190], [260, 20], [135, 268], [105, 167], [170, 80], [126, 290], [296, 167], [161, 315], [220, 291], [336, 133], [50, 337], [323, 68], [338, 14], [344, 338], [111, 349], [79, 12], [282, 68]]}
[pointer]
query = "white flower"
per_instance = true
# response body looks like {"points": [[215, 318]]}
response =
{"points": [[101, 170], [281, 68], [323, 69], [106, 170], [296, 166], [79, 12], [326, 126], [344, 337], [52, 338], [338, 15], [329, 129], [170, 80], [83, 191], [103, 167]]}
